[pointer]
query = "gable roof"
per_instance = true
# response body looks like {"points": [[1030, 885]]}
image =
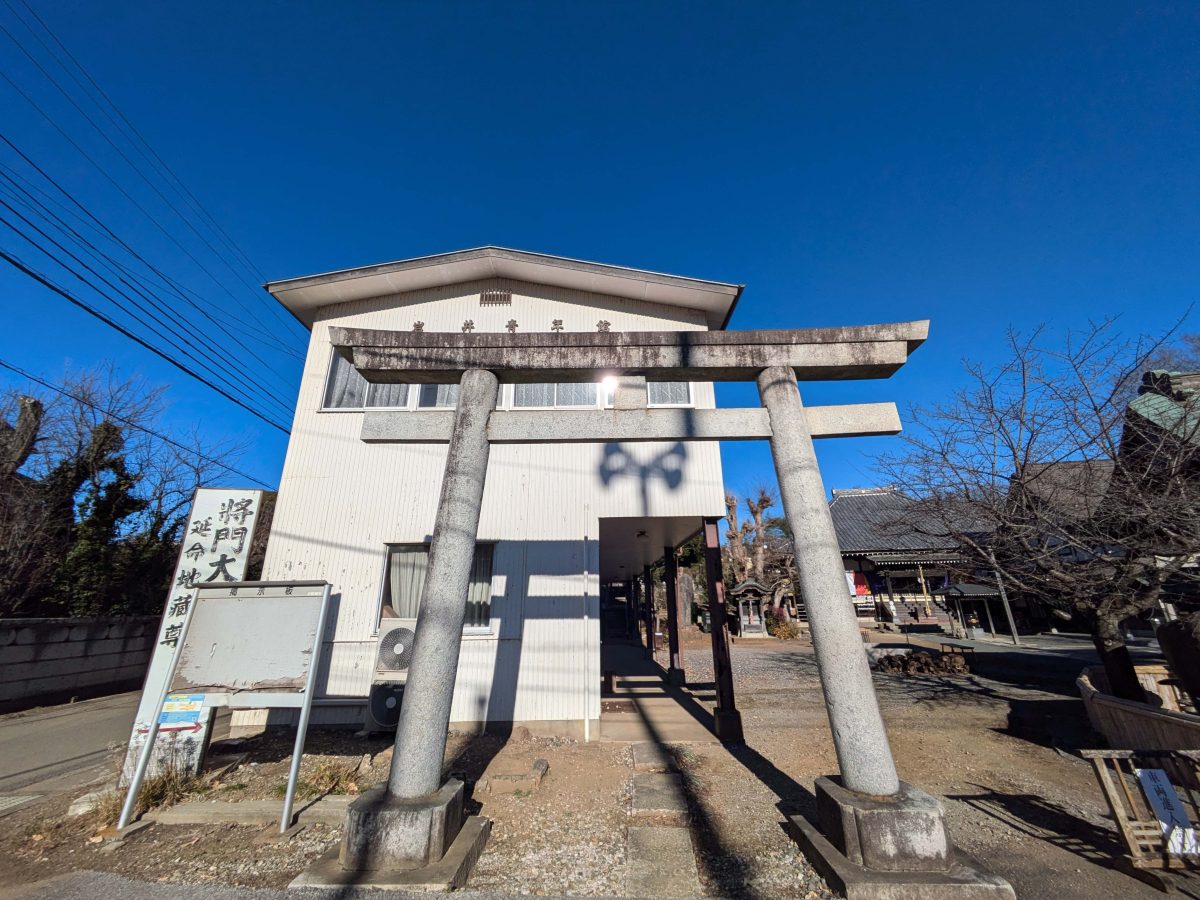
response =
{"points": [[1072, 489], [869, 520], [303, 296]]}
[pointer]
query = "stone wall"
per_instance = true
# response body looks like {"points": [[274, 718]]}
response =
{"points": [[53, 660]]}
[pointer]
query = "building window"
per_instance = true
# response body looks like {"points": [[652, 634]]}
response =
{"points": [[347, 389], [550, 395], [658, 393], [433, 396], [575, 395], [387, 396], [495, 298], [669, 393], [405, 578]]}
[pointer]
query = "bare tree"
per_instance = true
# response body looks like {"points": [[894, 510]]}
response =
{"points": [[737, 555], [93, 495], [1038, 473], [761, 547]]}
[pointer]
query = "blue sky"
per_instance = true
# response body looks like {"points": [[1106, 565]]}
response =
{"points": [[980, 165]]}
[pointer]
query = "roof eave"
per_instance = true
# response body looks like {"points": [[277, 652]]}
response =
{"points": [[714, 299]]}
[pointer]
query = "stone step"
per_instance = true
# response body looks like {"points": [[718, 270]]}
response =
{"points": [[659, 862], [650, 756], [329, 810], [659, 796]]}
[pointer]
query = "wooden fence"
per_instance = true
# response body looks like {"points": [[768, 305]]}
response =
{"points": [[1129, 725]]}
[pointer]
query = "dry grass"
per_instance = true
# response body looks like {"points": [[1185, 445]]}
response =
{"points": [[329, 778], [165, 788]]}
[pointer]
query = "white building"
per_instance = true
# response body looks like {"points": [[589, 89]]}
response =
{"points": [[558, 520]]}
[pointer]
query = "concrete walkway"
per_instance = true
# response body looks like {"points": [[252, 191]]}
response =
{"points": [[643, 707]]}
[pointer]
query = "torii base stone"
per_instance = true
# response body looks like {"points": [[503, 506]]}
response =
{"points": [[890, 848]]}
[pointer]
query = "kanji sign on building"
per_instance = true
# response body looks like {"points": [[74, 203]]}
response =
{"points": [[214, 548]]}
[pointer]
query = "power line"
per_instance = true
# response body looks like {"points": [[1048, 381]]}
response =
{"points": [[112, 415], [157, 224], [173, 343], [178, 289], [137, 170], [16, 263], [37, 207], [141, 144]]}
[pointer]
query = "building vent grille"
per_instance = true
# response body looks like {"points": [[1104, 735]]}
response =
{"points": [[495, 298]]}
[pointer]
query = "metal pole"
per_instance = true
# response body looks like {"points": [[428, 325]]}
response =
{"points": [[310, 684], [651, 616], [139, 772], [587, 649], [671, 585], [429, 693], [864, 754], [1004, 600]]}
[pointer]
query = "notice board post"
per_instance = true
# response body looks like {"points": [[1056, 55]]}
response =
{"points": [[246, 645]]}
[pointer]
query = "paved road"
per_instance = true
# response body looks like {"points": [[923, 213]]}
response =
{"points": [[57, 748], [103, 886]]}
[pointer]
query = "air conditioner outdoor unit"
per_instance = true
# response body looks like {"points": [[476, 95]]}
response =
{"points": [[393, 656]]}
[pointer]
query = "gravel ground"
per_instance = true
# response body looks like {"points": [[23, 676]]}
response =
{"points": [[1030, 811], [568, 835]]}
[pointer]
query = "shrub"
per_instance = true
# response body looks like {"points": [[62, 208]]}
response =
{"points": [[780, 627]]}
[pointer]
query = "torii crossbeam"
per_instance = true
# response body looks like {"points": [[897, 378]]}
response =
{"points": [[869, 816]]}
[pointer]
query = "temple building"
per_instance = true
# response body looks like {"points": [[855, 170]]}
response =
{"points": [[561, 525], [893, 564]]}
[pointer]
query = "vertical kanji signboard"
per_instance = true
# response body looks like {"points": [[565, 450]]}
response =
{"points": [[214, 548]]}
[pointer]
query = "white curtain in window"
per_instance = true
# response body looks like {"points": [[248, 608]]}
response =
{"points": [[576, 395], [533, 395], [387, 395], [346, 388], [673, 393], [438, 395], [406, 578], [479, 595]]}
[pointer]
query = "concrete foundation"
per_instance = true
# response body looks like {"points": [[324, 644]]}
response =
{"points": [[727, 723], [388, 833], [889, 848], [902, 833], [449, 873], [962, 879]]}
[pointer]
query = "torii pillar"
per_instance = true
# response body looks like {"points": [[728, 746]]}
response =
{"points": [[412, 822], [876, 835]]}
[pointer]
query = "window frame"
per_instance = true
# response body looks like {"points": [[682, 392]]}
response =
{"points": [[689, 404], [411, 395], [609, 398], [469, 631], [510, 397]]}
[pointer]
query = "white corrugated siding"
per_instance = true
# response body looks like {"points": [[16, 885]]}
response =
{"points": [[341, 501]]}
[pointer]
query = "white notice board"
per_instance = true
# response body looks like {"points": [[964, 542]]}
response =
{"points": [[251, 644], [256, 637]]}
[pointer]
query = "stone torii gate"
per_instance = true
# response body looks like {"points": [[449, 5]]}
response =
{"points": [[871, 824]]}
